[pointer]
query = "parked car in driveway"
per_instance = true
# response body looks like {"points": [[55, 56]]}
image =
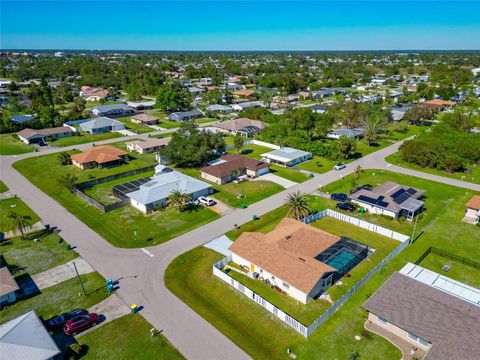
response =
{"points": [[339, 166], [80, 323], [339, 197], [60, 320], [207, 201], [346, 206]]}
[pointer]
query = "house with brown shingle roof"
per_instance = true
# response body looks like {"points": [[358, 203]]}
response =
{"points": [[472, 214], [92, 93], [300, 259], [99, 156], [229, 167], [246, 127], [8, 287], [33, 136], [144, 119]]}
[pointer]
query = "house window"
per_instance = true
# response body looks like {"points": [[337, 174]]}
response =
{"points": [[286, 285], [382, 320], [418, 339]]}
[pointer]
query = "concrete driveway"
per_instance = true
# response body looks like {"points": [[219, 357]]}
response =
{"points": [[276, 179], [61, 273]]}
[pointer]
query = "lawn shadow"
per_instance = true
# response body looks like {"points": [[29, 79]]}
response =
{"points": [[27, 286]]}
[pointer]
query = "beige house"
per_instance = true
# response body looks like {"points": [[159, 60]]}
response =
{"points": [[229, 167], [427, 315], [149, 146], [99, 156], [295, 257], [472, 214], [144, 119], [246, 127], [33, 136]]}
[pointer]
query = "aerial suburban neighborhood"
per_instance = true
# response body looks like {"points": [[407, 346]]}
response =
{"points": [[178, 203]]}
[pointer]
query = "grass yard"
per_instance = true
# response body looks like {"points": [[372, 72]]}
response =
{"points": [[83, 138], [103, 192], [127, 338], [190, 278], [474, 177], [252, 151], [3, 187], [251, 191], [168, 124], [60, 298], [458, 271], [134, 127], [10, 145], [16, 205], [25, 256], [317, 165], [289, 174], [117, 226]]}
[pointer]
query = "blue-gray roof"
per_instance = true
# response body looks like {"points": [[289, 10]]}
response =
{"points": [[101, 122], [162, 185], [110, 107], [187, 113], [347, 132], [20, 119], [286, 154], [25, 338]]}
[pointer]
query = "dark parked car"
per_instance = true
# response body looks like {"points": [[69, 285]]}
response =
{"points": [[346, 206], [60, 320], [80, 323], [339, 197]]}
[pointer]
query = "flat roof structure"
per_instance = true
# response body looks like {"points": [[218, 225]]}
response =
{"points": [[286, 154]]}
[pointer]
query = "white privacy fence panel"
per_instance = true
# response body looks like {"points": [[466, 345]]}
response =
{"points": [[287, 319], [262, 143]]}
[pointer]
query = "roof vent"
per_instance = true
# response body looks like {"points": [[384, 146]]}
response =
{"points": [[288, 237]]}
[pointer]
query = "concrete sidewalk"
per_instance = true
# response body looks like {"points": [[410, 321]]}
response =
{"points": [[61, 273], [35, 227], [108, 310], [276, 179]]}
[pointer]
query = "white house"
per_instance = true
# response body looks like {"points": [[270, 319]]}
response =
{"points": [[472, 213], [286, 156], [154, 193]]}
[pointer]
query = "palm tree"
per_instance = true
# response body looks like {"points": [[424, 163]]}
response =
{"points": [[68, 180], [356, 176], [373, 125], [19, 223], [238, 142], [297, 204], [178, 198]]}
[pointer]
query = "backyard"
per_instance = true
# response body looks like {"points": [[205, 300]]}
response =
{"points": [[127, 338], [10, 145], [82, 138], [190, 277], [124, 227]]}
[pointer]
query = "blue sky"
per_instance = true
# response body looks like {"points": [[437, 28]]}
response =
{"points": [[240, 25]]}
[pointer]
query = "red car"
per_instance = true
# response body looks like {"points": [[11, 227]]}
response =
{"points": [[80, 323]]}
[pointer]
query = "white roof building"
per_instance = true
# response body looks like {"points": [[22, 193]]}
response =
{"points": [[286, 156], [25, 338], [155, 192]]}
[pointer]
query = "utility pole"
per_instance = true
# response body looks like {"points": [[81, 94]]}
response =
{"points": [[79, 279], [414, 228]]}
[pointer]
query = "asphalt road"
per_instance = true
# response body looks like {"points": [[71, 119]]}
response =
{"points": [[140, 271]]}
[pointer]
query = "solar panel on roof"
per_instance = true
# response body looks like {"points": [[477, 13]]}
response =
{"points": [[412, 191], [400, 199], [367, 199], [398, 193]]}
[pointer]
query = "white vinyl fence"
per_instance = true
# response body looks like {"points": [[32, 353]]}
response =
{"points": [[290, 321]]}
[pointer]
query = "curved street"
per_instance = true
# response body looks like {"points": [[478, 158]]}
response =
{"points": [[140, 271]]}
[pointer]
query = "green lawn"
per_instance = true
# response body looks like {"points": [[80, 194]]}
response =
{"points": [[3, 187], [458, 271], [252, 151], [117, 226], [10, 145], [26, 256], [252, 191], [83, 138], [168, 124], [190, 278], [289, 174], [92, 104], [317, 165], [127, 338], [15, 205], [59, 298], [474, 177], [134, 127]]}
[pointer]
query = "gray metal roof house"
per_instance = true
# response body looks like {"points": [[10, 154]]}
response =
{"points": [[22, 119], [155, 192], [286, 156], [351, 133], [112, 109], [25, 338], [186, 115], [101, 124]]}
